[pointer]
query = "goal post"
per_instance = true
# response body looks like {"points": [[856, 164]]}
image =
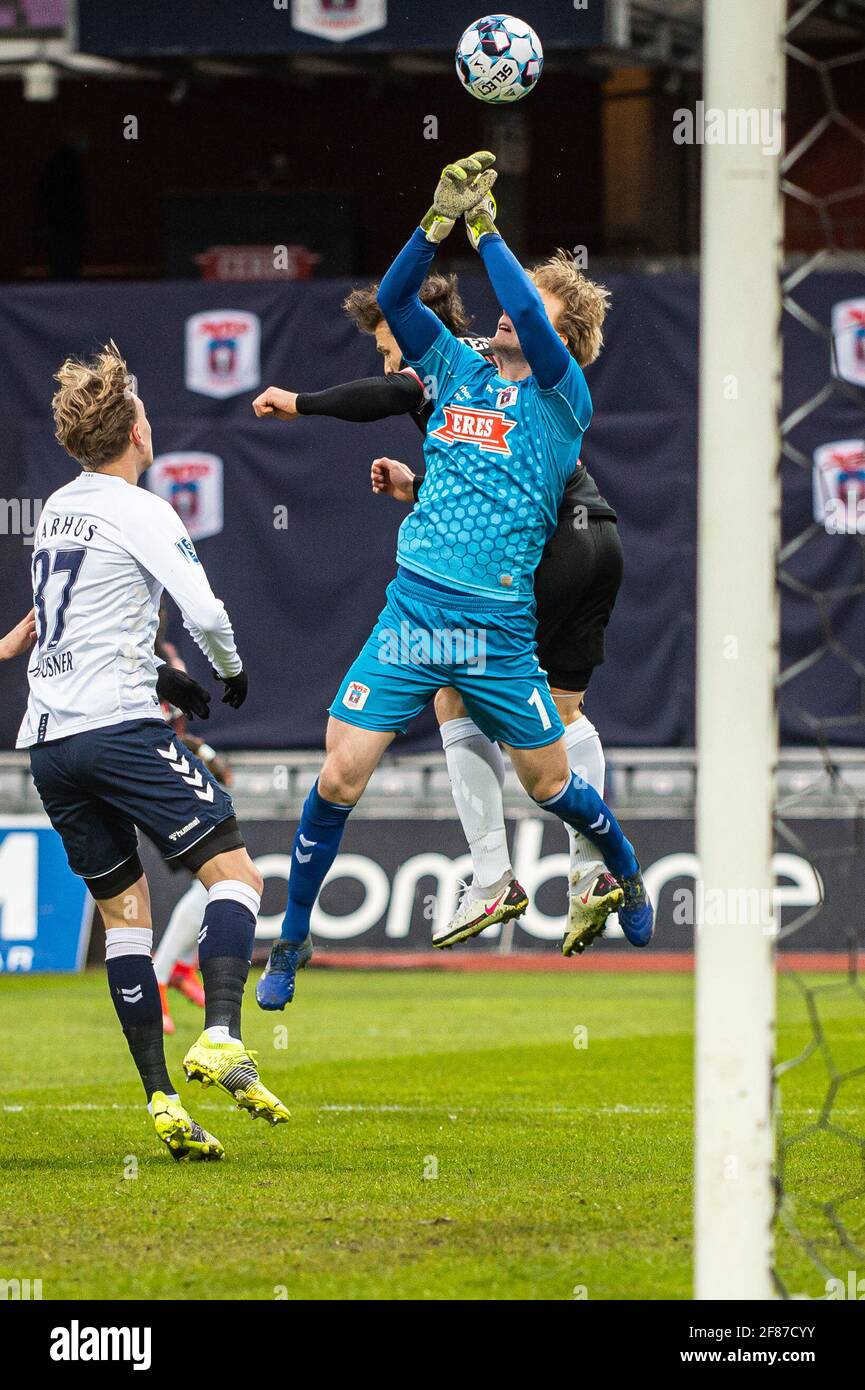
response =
{"points": [[737, 642]]}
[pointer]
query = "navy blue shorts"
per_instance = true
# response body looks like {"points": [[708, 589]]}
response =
{"points": [[98, 786]]}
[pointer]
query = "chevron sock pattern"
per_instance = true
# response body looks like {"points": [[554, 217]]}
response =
{"points": [[135, 996], [225, 950], [579, 805], [585, 759], [316, 845]]}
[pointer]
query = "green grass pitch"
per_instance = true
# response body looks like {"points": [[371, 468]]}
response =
{"points": [[448, 1141]]}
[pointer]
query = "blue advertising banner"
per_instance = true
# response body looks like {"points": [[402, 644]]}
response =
{"points": [[45, 911], [286, 26]]}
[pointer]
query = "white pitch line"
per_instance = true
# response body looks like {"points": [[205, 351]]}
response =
{"points": [[385, 1109], [509, 1109]]}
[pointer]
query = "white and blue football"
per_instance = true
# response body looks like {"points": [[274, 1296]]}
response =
{"points": [[499, 58]]}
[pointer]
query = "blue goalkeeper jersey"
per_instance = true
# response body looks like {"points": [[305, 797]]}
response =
{"points": [[498, 455]]}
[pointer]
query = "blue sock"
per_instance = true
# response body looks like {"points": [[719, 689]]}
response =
{"points": [[579, 805], [315, 847]]}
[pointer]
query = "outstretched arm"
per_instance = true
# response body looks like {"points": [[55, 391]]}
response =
{"points": [[544, 350], [414, 326], [461, 187], [369, 398]]}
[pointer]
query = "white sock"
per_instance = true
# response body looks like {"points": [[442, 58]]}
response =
{"points": [[169, 1095], [128, 941], [586, 759], [180, 937], [477, 773], [219, 1034], [236, 891]]}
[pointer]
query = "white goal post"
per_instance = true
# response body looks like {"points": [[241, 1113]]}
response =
{"points": [[737, 653]]}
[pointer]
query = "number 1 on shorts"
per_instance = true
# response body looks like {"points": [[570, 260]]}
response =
{"points": [[537, 700]]}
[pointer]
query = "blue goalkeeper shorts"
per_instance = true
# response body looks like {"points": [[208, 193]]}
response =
{"points": [[427, 637]]}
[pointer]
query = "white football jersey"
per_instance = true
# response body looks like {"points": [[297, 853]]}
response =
{"points": [[102, 553]]}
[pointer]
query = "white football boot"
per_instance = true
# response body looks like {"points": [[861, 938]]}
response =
{"points": [[480, 908]]}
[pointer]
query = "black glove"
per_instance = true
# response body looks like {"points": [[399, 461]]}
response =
{"points": [[176, 688], [235, 688]]}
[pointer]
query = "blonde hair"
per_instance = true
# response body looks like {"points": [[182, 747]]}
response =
{"points": [[94, 409], [585, 304]]}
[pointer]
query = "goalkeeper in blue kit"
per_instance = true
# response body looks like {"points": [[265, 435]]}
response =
{"points": [[501, 443]]}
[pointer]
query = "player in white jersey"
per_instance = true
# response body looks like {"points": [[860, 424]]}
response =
{"points": [[104, 761]]}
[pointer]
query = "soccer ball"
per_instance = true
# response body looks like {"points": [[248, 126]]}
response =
{"points": [[499, 58]]}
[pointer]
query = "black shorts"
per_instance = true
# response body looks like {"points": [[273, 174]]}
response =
{"points": [[576, 584], [98, 786]]}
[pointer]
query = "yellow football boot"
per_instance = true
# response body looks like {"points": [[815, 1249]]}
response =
{"points": [[181, 1135], [592, 898], [230, 1066]]}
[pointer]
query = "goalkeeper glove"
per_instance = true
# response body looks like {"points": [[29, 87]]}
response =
{"points": [[235, 688], [461, 187], [174, 687], [481, 220]]}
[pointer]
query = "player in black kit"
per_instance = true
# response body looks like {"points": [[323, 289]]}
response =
{"points": [[576, 584]]}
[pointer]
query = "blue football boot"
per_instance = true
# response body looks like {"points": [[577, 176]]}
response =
{"points": [[275, 989], [636, 914]]}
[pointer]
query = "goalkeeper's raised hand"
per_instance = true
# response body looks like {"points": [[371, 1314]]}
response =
{"points": [[461, 187], [481, 220]]}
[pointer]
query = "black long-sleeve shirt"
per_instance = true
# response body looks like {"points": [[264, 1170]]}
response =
{"points": [[401, 393]]}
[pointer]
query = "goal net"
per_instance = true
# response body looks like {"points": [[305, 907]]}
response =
{"points": [[820, 1072]]}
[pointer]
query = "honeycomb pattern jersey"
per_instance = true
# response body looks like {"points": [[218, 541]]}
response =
{"points": [[498, 455]]}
